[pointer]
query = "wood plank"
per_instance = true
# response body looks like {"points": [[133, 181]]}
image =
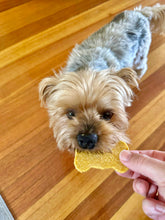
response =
{"points": [[30, 12], [144, 95], [131, 208], [52, 34], [45, 19], [6, 5], [142, 126], [59, 195]]}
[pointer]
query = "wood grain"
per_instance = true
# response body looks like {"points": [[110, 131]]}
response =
{"points": [[37, 181]]}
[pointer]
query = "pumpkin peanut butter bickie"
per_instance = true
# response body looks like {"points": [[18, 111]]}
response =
{"points": [[84, 160]]}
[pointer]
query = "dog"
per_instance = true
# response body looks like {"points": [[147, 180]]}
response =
{"points": [[86, 101]]}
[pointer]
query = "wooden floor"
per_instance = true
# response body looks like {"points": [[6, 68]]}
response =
{"points": [[36, 180]]}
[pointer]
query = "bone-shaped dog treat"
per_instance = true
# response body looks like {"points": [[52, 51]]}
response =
{"points": [[84, 160]]}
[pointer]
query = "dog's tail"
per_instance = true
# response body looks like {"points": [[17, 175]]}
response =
{"points": [[156, 16]]}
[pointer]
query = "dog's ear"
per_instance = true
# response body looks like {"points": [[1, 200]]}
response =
{"points": [[46, 88], [129, 76]]}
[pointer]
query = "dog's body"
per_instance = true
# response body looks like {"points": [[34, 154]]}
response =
{"points": [[86, 102], [124, 42]]}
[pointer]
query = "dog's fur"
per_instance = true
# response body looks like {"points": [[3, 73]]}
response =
{"points": [[91, 93]]}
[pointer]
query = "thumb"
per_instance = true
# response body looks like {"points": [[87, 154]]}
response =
{"points": [[154, 208], [145, 165]]}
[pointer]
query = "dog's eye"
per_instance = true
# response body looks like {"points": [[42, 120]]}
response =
{"points": [[107, 115], [70, 114]]}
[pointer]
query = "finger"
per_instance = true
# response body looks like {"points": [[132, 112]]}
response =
{"points": [[145, 165], [161, 193], [152, 192], [129, 174], [153, 207], [145, 188], [141, 186], [152, 153]]}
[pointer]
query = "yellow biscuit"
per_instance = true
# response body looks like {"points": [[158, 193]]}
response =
{"points": [[84, 160]]}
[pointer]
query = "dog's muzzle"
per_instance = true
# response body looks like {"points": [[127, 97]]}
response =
{"points": [[87, 141]]}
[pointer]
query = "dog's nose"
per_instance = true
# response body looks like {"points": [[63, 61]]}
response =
{"points": [[87, 141]]}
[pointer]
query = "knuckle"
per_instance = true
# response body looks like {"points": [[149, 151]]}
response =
{"points": [[139, 160], [162, 174]]}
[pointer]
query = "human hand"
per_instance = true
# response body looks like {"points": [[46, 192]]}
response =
{"points": [[147, 168]]}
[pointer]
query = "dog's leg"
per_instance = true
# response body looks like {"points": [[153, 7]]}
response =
{"points": [[140, 63], [156, 17]]}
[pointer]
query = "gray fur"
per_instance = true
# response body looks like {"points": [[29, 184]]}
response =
{"points": [[124, 42]]}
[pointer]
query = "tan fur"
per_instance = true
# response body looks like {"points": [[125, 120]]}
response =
{"points": [[156, 15], [89, 94]]}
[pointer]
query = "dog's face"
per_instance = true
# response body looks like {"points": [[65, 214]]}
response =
{"points": [[87, 109]]}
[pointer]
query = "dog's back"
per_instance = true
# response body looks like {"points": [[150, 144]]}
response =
{"points": [[124, 42]]}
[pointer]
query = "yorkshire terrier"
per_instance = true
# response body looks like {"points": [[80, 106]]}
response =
{"points": [[86, 101]]}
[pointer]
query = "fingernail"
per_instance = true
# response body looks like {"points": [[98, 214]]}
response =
{"points": [[125, 155], [160, 208]]}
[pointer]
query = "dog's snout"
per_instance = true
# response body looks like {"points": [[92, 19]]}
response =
{"points": [[87, 141]]}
